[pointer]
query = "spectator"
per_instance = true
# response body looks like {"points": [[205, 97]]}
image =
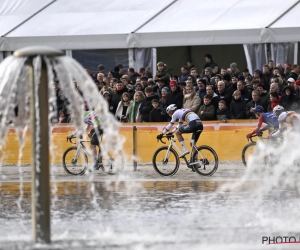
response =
{"points": [[139, 87], [201, 89], [274, 101], [209, 61], [295, 72], [208, 72], [163, 102], [191, 100], [132, 75], [241, 86], [288, 100], [223, 93], [175, 96], [271, 65], [134, 110], [194, 73], [256, 101], [120, 89], [237, 106], [266, 76], [148, 72], [214, 97], [157, 88], [155, 113], [101, 69], [62, 117], [215, 70], [111, 105], [122, 112], [189, 64], [222, 111], [144, 82], [184, 74], [207, 110], [146, 105], [142, 71], [162, 73], [234, 69]]}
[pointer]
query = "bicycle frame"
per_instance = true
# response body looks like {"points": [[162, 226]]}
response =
{"points": [[173, 144], [83, 147]]}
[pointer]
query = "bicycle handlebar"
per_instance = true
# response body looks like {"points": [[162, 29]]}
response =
{"points": [[165, 136], [259, 135]]}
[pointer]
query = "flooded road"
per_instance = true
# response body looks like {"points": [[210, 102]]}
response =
{"points": [[130, 213]]}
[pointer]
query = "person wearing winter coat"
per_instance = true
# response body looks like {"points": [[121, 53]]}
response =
{"points": [[122, 112], [191, 100], [222, 111], [207, 110], [134, 110], [237, 106], [162, 73], [146, 105]]}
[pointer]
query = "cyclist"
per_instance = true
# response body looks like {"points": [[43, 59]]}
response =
{"points": [[269, 118], [284, 118], [93, 128], [194, 125]]}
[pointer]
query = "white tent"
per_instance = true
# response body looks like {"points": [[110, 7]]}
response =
{"points": [[193, 22], [102, 24], [77, 24]]}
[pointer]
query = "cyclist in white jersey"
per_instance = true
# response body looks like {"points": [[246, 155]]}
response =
{"points": [[93, 128], [287, 117], [194, 125]]}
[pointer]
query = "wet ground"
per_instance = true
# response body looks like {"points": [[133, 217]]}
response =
{"points": [[141, 210]]}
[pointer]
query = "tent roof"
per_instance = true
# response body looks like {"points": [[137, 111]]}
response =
{"points": [[287, 27], [192, 22], [98, 24], [84, 24]]}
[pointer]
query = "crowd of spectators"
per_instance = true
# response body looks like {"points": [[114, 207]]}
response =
{"points": [[213, 92]]}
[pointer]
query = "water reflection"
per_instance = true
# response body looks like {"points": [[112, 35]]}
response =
{"points": [[151, 215]]}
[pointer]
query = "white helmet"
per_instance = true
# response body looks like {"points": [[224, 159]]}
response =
{"points": [[171, 107], [278, 108]]}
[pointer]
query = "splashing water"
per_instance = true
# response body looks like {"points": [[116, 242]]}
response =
{"points": [[14, 91]]}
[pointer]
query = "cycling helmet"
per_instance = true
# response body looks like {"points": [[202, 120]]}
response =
{"points": [[258, 108], [171, 107], [277, 109]]}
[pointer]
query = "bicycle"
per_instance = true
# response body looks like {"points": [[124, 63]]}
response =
{"points": [[75, 158], [263, 158], [203, 159]]}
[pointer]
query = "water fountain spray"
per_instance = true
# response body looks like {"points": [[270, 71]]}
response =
{"points": [[40, 143], [34, 70]]}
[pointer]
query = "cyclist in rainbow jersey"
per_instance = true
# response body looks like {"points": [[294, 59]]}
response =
{"points": [[194, 125]]}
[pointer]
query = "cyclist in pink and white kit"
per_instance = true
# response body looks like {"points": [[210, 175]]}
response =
{"points": [[194, 125], [287, 117]]}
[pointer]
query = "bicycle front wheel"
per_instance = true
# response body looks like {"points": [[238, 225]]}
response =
{"points": [[165, 162], [73, 163], [248, 150], [205, 161], [112, 162]]}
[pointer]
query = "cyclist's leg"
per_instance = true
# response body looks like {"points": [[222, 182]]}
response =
{"points": [[93, 146], [197, 131]]}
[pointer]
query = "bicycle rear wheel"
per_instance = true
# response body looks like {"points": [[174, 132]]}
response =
{"points": [[112, 162], [205, 161], [72, 164], [165, 163]]}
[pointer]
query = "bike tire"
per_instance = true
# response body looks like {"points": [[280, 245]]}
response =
{"points": [[113, 162], [79, 166], [204, 157], [247, 151], [158, 164]]}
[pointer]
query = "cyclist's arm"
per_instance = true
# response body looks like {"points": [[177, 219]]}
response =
{"points": [[265, 128], [282, 127], [170, 125], [256, 130]]}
